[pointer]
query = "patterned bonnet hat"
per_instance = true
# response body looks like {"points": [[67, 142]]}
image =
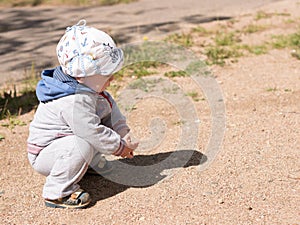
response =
{"points": [[85, 51]]}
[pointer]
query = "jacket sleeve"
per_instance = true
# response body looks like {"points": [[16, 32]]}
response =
{"points": [[85, 123], [116, 120]]}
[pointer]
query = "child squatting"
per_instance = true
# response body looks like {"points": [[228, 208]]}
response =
{"points": [[77, 121]]}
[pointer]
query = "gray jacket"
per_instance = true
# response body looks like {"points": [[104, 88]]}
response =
{"points": [[91, 116]]}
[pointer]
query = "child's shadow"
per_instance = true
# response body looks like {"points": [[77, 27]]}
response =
{"points": [[141, 171]]}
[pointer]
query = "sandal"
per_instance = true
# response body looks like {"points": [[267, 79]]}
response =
{"points": [[79, 199]]}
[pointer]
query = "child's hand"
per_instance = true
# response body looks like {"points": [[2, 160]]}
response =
{"points": [[127, 153], [129, 147], [129, 143]]}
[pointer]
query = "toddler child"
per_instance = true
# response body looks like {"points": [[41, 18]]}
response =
{"points": [[77, 120]]}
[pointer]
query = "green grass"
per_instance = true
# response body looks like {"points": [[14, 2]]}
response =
{"points": [[183, 39], [139, 69], [284, 41], [144, 85], [226, 39], [173, 90], [222, 48], [253, 28], [256, 49], [282, 14], [272, 89], [218, 55], [201, 31], [175, 74], [14, 103], [196, 67], [288, 41], [114, 2], [225, 47], [280, 41], [194, 95], [143, 60], [262, 15], [179, 123], [290, 21], [13, 121]]}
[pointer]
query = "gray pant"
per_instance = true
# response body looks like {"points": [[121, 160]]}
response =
{"points": [[64, 163]]}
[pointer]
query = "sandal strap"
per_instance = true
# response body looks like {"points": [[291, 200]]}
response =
{"points": [[77, 193], [75, 198]]}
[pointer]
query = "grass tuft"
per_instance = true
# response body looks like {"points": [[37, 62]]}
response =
{"points": [[13, 121], [14, 102], [226, 39], [201, 31], [272, 89], [139, 69], [218, 55], [144, 84], [262, 15], [194, 95], [253, 28], [288, 41], [183, 39], [256, 49], [175, 74]]}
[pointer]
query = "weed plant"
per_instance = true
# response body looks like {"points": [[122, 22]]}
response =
{"points": [[14, 103], [288, 41]]}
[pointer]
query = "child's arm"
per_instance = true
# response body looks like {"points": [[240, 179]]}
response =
{"points": [[128, 148], [116, 120], [82, 118]]}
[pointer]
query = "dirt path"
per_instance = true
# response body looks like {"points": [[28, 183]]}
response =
{"points": [[29, 35], [253, 180]]}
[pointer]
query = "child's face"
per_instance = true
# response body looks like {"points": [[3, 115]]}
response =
{"points": [[96, 82]]}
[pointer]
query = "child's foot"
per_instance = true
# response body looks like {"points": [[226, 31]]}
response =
{"points": [[103, 167], [79, 199]]}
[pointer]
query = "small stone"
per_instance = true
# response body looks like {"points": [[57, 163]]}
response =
{"points": [[220, 201], [207, 193], [142, 218]]}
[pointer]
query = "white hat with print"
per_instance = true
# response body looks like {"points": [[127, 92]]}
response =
{"points": [[85, 51]]}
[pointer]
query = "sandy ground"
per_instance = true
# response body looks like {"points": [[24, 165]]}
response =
{"points": [[253, 180]]}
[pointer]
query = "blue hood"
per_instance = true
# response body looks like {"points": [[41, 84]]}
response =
{"points": [[55, 84]]}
